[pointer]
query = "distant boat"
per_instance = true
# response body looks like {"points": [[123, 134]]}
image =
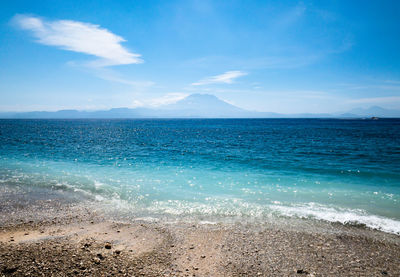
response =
{"points": [[374, 118]]}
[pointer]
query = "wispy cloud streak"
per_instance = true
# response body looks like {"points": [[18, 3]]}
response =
{"points": [[166, 99], [79, 37], [225, 78], [376, 100], [113, 76]]}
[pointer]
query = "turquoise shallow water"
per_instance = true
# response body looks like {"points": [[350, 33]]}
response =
{"points": [[215, 169]]}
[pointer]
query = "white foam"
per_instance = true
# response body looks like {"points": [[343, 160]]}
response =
{"points": [[99, 198], [147, 219], [214, 207], [239, 209], [97, 185], [207, 222], [344, 216]]}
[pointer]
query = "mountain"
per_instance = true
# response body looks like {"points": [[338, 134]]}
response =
{"points": [[375, 111], [203, 105], [208, 106], [196, 106]]}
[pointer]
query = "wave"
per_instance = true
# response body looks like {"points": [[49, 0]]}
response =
{"points": [[127, 192], [238, 210], [340, 215]]}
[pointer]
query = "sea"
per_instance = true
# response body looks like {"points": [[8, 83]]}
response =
{"points": [[214, 170]]}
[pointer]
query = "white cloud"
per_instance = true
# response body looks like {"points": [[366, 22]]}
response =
{"points": [[137, 103], [113, 76], [169, 98], [376, 100], [79, 37], [225, 78]]}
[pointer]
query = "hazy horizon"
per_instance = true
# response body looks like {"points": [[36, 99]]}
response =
{"points": [[194, 106], [287, 57]]}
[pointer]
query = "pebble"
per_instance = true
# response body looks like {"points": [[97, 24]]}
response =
{"points": [[9, 270], [245, 256]]}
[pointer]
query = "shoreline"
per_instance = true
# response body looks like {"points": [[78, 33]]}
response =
{"points": [[69, 238]]}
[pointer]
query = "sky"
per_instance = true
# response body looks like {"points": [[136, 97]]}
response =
{"points": [[272, 56]]}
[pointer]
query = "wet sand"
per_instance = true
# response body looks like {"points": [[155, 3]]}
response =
{"points": [[66, 238]]}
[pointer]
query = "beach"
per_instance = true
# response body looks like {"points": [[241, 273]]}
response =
{"points": [[199, 197], [200, 138], [59, 237]]}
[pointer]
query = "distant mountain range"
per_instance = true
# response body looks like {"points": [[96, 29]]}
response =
{"points": [[196, 106]]}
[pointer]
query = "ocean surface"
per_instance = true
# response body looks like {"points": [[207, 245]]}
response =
{"points": [[214, 170]]}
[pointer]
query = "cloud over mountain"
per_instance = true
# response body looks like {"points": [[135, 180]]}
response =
{"points": [[225, 78]]}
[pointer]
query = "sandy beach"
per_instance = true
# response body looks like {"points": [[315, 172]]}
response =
{"points": [[59, 237], [200, 138]]}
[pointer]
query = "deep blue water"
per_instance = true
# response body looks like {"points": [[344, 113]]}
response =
{"points": [[214, 169]]}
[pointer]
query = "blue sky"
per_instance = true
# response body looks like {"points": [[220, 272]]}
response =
{"points": [[278, 56]]}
